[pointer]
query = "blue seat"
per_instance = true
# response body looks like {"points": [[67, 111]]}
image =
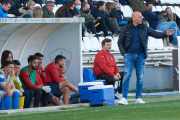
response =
{"points": [[87, 75], [94, 75]]}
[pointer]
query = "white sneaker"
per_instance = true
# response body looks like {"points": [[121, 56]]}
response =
{"points": [[139, 101], [123, 101], [88, 35], [119, 96]]}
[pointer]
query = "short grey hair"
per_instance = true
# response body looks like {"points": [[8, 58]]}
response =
{"points": [[117, 5], [49, 2]]}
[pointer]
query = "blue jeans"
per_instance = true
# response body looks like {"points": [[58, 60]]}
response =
{"points": [[131, 60], [164, 26]]}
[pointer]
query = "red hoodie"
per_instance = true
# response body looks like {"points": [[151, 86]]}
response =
{"points": [[25, 77], [53, 74], [105, 63]]}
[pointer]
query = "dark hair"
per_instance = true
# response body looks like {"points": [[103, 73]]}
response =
{"points": [[6, 2], [5, 55], [162, 12], [6, 63], [16, 62], [39, 54], [66, 6], [105, 40], [100, 3], [49, 2], [59, 58], [148, 3], [32, 57]]}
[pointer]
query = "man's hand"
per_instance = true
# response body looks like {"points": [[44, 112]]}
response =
{"points": [[125, 54], [64, 77], [12, 73], [98, 18], [10, 93], [41, 66], [20, 94], [21, 90], [116, 77], [40, 87], [169, 32]]}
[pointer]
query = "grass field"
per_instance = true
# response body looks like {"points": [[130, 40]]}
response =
{"points": [[156, 108]]}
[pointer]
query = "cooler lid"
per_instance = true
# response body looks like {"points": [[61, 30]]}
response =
{"points": [[90, 83], [100, 87]]}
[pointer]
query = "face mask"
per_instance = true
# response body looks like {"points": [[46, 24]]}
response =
{"points": [[150, 9], [78, 7], [87, 11], [168, 13]]}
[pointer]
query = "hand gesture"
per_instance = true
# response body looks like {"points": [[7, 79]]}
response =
{"points": [[41, 66], [116, 77], [10, 93], [20, 94], [64, 77], [12, 73], [170, 32]]}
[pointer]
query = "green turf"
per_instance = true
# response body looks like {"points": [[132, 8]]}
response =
{"points": [[156, 108]]}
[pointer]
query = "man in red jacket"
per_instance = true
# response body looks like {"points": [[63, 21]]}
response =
{"points": [[105, 66], [41, 71], [31, 80], [57, 80]]}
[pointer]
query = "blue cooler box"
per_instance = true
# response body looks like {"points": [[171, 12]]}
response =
{"points": [[101, 95], [83, 89]]}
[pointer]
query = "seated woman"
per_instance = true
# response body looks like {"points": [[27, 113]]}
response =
{"points": [[27, 10], [172, 16], [36, 13]]}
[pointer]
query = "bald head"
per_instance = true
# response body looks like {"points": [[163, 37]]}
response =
{"points": [[137, 18]]}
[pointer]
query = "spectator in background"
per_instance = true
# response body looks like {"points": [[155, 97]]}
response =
{"points": [[37, 12], [48, 10], [6, 5], [62, 1], [163, 16], [100, 13], [31, 80], [155, 2], [89, 26], [98, 23], [65, 11], [105, 66], [90, 2], [41, 71], [7, 85], [57, 80], [172, 16], [27, 95], [155, 23], [138, 5], [118, 14], [16, 4], [132, 44], [6, 56], [27, 11]]}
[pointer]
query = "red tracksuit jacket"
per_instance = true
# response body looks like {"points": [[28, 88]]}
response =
{"points": [[40, 73], [105, 63], [53, 74]]}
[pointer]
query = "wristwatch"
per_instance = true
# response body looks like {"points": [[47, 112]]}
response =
{"points": [[43, 70]]}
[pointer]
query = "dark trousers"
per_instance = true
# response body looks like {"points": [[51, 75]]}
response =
{"points": [[29, 94], [102, 26], [109, 24], [40, 95], [91, 27], [110, 79]]}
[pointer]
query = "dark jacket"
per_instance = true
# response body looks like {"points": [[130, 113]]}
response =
{"points": [[145, 31], [99, 13], [88, 17], [75, 12], [152, 19], [138, 5], [154, 3], [65, 13], [46, 13], [16, 4], [118, 14]]}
